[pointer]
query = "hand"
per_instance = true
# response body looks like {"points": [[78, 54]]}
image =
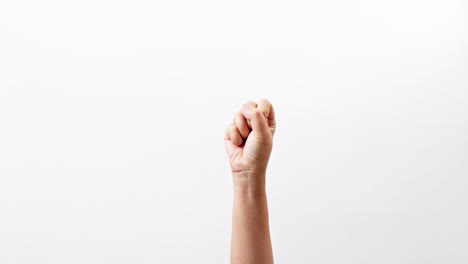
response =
{"points": [[249, 139]]}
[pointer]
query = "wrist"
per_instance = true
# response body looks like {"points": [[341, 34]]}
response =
{"points": [[249, 182]]}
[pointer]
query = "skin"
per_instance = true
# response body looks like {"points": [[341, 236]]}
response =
{"points": [[249, 141]]}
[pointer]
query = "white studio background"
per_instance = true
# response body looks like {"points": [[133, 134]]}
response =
{"points": [[112, 117]]}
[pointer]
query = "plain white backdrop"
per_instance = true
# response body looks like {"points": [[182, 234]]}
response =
{"points": [[112, 117]]}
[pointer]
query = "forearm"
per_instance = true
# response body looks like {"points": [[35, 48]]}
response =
{"points": [[250, 226]]}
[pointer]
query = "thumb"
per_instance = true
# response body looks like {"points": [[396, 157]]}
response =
{"points": [[259, 125]]}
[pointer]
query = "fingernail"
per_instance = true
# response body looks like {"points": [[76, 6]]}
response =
{"points": [[247, 106]]}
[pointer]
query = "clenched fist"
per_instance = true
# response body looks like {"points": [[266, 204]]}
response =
{"points": [[249, 139]]}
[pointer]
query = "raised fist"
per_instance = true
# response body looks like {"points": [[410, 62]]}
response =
{"points": [[249, 139]]}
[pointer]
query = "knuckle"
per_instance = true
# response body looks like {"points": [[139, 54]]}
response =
{"points": [[265, 101], [237, 116], [256, 112], [250, 103], [233, 128]]}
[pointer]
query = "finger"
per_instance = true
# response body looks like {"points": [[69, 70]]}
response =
{"points": [[267, 109], [234, 134], [264, 105], [272, 120], [226, 133], [253, 104], [241, 123], [259, 124]]}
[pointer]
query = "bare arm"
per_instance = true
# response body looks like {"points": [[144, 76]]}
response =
{"points": [[250, 230], [249, 141]]}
